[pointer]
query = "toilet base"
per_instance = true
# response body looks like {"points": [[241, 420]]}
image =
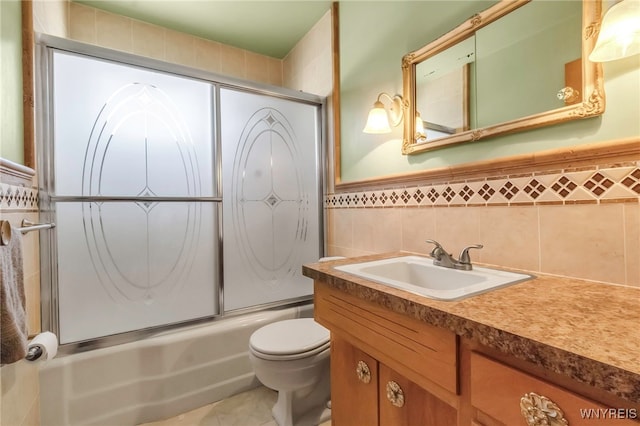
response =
{"points": [[304, 407], [310, 417]]}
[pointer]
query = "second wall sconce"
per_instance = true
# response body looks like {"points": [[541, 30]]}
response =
{"points": [[379, 120], [619, 33]]}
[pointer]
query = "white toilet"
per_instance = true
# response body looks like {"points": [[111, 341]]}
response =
{"points": [[292, 357]]}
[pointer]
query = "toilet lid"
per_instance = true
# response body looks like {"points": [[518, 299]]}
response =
{"points": [[289, 337]]}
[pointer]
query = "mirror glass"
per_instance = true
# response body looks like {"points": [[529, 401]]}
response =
{"points": [[515, 66], [442, 91]]}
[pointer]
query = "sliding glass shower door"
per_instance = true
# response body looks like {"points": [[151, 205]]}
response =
{"points": [[134, 196], [177, 195], [271, 187]]}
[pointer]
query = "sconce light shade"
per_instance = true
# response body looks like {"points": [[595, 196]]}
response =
{"points": [[377, 122], [619, 33]]}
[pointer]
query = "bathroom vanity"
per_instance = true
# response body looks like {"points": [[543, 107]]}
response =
{"points": [[552, 349]]}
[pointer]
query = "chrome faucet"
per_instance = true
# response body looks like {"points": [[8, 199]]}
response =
{"points": [[444, 259]]}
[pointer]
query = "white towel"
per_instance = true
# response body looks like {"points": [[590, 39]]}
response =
{"points": [[13, 318]]}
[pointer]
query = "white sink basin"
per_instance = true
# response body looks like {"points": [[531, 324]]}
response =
{"points": [[419, 275]]}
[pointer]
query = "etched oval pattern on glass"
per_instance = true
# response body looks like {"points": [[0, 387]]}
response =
{"points": [[268, 189], [140, 147]]}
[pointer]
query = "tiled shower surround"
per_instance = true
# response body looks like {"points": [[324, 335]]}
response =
{"points": [[581, 222]]}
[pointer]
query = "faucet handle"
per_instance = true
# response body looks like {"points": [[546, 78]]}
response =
{"points": [[437, 250], [464, 254], [437, 244]]}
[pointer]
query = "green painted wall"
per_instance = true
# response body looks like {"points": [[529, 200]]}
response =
{"points": [[373, 38], [11, 130]]}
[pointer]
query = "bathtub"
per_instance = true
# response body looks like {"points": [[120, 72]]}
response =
{"points": [[157, 377]]}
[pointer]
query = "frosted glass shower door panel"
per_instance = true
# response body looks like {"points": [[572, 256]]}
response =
{"points": [[125, 266], [271, 189], [127, 131], [133, 193]]}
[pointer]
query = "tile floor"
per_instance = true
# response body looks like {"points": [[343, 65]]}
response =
{"points": [[251, 408]]}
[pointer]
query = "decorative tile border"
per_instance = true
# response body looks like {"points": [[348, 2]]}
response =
{"points": [[13, 197], [617, 183]]}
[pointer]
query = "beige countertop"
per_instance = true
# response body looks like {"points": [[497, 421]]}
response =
{"points": [[586, 330]]}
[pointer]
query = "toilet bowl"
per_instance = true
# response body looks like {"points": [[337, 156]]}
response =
{"points": [[292, 357]]}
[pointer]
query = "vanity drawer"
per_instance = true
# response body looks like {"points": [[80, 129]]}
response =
{"points": [[415, 349], [497, 390]]}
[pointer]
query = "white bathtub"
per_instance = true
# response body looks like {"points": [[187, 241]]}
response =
{"points": [[154, 378]]}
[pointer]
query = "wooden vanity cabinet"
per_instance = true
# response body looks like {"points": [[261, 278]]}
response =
{"points": [[391, 369], [374, 352], [367, 392]]}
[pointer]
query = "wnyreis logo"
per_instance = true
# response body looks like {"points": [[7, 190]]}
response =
{"points": [[608, 413]]}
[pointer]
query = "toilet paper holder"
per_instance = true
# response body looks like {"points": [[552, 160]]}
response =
{"points": [[43, 346], [33, 353]]}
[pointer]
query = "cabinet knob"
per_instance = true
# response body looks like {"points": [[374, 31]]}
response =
{"points": [[395, 394], [363, 372], [539, 410]]}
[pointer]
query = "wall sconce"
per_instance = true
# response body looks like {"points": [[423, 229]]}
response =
{"points": [[619, 32], [378, 120]]}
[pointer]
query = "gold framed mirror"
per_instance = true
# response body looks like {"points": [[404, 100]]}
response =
{"points": [[515, 66]]}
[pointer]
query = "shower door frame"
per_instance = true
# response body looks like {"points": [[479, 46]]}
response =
{"points": [[45, 45]]}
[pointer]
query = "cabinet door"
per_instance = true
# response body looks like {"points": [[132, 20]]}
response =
{"points": [[402, 402], [513, 397], [354, 386]]}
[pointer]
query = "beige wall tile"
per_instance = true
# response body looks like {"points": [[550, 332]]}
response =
{"points": [[82, 23], [456, 228], [364, 223], [632, 243], [510, 237], [207, 55], [32, 294], [328, 230], [232, 61], [348, 252], [148, 40], [288, 73], [179, 48], [387, 230], [51, 17], [274, 69], [418, 225], [583, 241], [597, 242], [341, 228], [257, 67], [324, 76], [114, 31], [308, 67]]}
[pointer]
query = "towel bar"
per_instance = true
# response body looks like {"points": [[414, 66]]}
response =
{"points": [[27, 226]]}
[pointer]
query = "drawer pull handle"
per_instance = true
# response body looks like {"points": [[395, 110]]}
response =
{"points": [[395, 394], [539, 410], [363, 372]]}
